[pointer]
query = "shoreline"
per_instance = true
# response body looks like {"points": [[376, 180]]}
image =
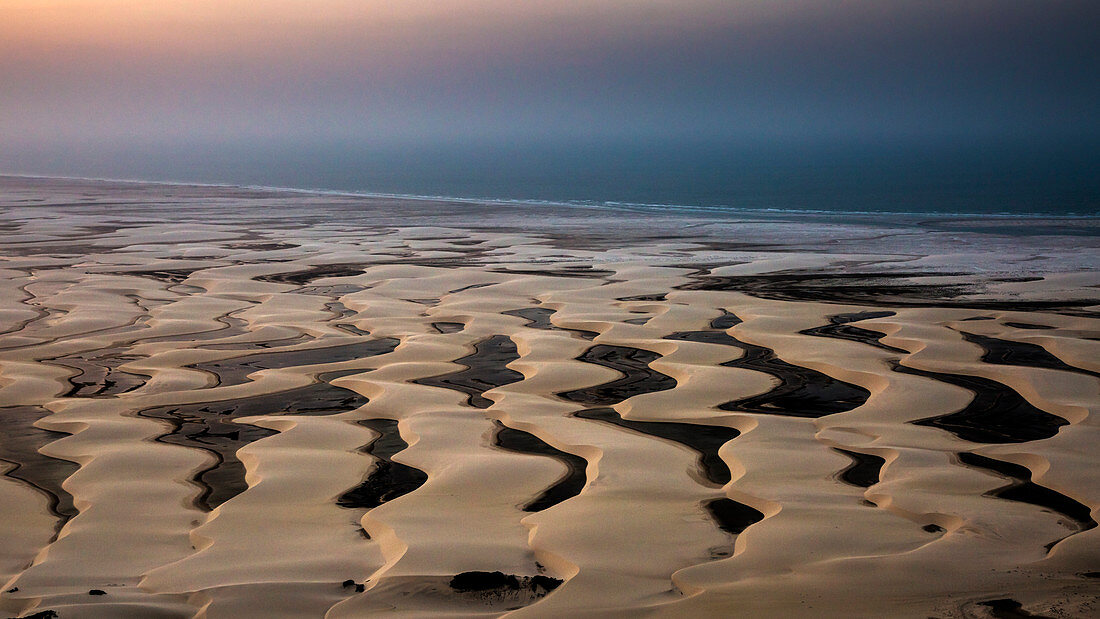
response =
{"points": [[668, 209], [909, 262]]}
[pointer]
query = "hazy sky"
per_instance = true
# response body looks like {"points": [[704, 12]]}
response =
{"points": [[80, 75]]}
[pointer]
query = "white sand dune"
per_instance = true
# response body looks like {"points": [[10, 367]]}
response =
{"points": [[209, 408]]}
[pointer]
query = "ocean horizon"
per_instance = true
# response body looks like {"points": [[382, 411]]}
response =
{"points": [[1021, 180]]}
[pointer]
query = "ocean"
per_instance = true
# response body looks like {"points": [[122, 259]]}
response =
{"points": [[980, 178]]}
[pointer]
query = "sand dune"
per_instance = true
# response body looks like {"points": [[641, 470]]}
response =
{"points": [[353, 415]]}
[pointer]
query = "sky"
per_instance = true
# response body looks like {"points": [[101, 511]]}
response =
{"points": [[81, 79]]}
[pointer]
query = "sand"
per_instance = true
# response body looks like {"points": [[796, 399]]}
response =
{"points": [[229, 402]]}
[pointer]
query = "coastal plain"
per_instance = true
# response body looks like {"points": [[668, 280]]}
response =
{"points": [[237, 402]]}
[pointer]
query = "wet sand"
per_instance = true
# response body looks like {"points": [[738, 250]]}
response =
{"points": [[228, 402]]}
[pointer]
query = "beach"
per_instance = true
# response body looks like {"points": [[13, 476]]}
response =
{"points": [[243, 402]]}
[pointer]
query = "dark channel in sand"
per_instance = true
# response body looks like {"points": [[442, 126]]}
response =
{"points": [[704, 439], [1008, 352], [840, 328], [388, 480], [333, 291], [1028, 325], [350, 328], [470, 287], [539, 318], [726, 321], [40, 325], [501, 583], [99, 376], [705, 337], [263, 345], [234, 371], [733, 517], [1023, 490], [637, 378], [233, 326], [20, 442], [270, 246], [567, 487], [306, 276], [997, 414], [900, 289], [1008, 608], [801, 392], [561, 271], [485, 370], [172, 276], [210, 426], [864, 471], [805, 286], [448, 327]]}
